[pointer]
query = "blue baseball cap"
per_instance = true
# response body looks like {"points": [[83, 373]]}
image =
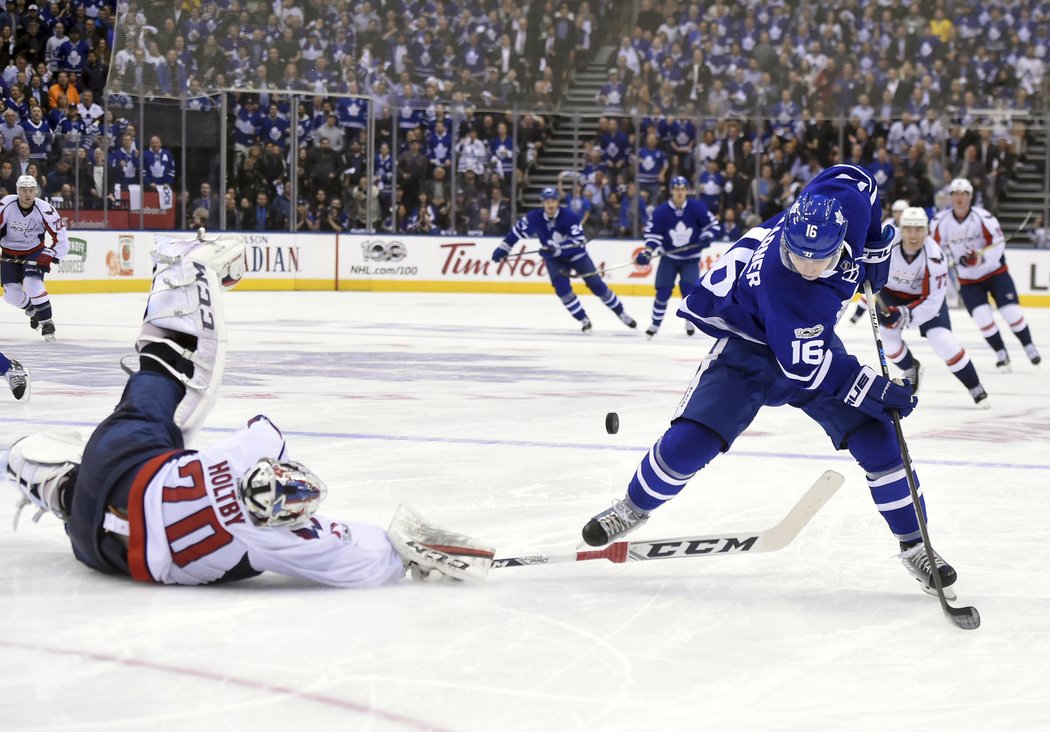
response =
{"points": [[814, 227], [548, 193]]}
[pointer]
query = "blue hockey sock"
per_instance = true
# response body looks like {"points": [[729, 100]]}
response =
{"points": [[996, 342], [675, 458], [572, 304], [42, 310], [660, 305], [875, 447], [612, 302], [968, 376], [906, 361]]}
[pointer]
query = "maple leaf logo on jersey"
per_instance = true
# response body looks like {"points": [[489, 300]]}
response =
{"points": [[839, 218], [557, 238], [681, 234]]}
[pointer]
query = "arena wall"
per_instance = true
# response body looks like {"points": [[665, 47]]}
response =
{"points": [[119, 261]]}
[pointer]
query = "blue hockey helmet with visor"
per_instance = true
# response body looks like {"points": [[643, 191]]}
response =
{"points": [[814, 227]]}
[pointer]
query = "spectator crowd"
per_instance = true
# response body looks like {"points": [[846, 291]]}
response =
{"points": [[392, 114]]}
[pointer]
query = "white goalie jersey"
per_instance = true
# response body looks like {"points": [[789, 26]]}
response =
{"points": [[186, 525], [27, 232], [976, 243], [922, 283]]}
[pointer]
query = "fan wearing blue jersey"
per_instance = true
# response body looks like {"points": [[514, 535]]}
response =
{"points": [[563, 249], [772, 303], [678, 232]]}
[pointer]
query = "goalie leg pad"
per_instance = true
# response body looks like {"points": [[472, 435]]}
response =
{"points": [[184, 329], [424, 547], [43, 467]]}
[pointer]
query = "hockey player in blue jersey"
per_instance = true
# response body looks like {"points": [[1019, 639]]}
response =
{"points": [[772, 304], [563, 249], [678, 232]]}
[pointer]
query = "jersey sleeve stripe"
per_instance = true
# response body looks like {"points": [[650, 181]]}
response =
{"points": [[138, 565]]}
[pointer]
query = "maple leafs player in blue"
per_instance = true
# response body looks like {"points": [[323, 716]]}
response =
{"points": [[678, 232], [562, 247], [772, 303]]}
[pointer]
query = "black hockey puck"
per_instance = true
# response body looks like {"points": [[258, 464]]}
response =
{"points": [[612, 423]]}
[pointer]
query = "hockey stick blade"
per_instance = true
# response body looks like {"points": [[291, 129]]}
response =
{"points": [[715, 545]]}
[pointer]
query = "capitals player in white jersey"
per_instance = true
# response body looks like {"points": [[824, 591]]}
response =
{"points": [[32, 237], [137, 503], [895, 218], [563, 249], [974, 240], [678, 232], [772, 303], [915, 295]]}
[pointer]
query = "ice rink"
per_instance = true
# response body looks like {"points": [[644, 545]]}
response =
{"points": [[486, 413]]}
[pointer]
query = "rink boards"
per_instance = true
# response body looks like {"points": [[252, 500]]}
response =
{"points": [[119, 261]]}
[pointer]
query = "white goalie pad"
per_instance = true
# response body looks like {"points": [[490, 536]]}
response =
{"points": [[39, 466], [425, 548], [189, 278]]}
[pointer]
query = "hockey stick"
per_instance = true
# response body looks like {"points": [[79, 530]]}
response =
{"points": [[602, 270], [966, 618], [715, 545]]}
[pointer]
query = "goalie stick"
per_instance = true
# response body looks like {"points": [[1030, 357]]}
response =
{"points": [[714, 545]]}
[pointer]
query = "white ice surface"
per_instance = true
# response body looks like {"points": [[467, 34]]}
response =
{"points": [[487, 414]]}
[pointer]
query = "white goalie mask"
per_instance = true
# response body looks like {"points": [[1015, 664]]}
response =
{"points": [[43, 467], [281, 493]]}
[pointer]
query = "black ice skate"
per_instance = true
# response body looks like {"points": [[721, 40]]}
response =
{"points": [[612, 523], [690, 329], [651, 330], [628, 320], [1002, 361], [914, 559], [18, 380], [585, 325], [1033, 354], [980, 397], [913, 375], [47, 329]]}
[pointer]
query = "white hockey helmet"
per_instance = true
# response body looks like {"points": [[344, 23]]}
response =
{"points": [[26, 181], [899, 205], [281, 493], [960, 185], [914, 216]]}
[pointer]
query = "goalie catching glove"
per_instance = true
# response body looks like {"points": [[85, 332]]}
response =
{"points": [[424, 548]]}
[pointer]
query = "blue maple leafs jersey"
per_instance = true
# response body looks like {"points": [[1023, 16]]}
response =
{"points": [[562, 235], [671, 228], [752, 294]]}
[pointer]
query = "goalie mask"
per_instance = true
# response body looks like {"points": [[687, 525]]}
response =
{"points": [[281, 493], [43, 467]]}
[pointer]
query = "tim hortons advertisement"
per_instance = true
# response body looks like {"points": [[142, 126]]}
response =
{"points": [[465, 264]]}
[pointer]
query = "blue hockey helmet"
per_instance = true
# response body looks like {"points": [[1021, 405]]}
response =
{"points": [[679, 180], [548, 193], [814, 226]]}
